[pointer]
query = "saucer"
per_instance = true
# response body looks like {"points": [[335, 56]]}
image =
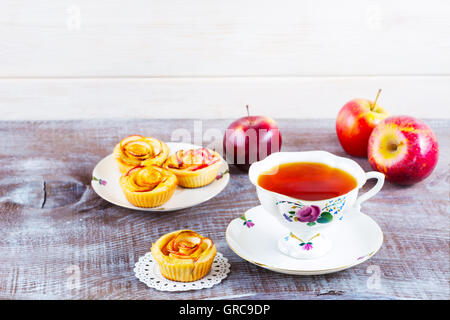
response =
{"points": [[105, 182], [255, 235]]}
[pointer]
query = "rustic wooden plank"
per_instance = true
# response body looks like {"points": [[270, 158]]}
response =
{"points": [[296, 97], [49, 38], [44, 242]]}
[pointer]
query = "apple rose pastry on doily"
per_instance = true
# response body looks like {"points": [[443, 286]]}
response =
{"points": [[184, 255], [194, 168], [148, 187], [137, 150]]}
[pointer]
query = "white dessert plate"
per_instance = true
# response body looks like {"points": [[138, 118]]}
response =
{"points": [[254, 238], [105, 182]]}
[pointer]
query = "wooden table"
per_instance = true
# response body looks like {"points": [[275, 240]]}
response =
{"points": [[53, 225]]}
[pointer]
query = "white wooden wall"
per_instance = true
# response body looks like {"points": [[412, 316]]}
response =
{"points": [[209, 58]]}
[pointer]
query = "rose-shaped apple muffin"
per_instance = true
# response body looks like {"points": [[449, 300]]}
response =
{"points": [[194, 168], [148, 187], [184, 255], [137, 150]]}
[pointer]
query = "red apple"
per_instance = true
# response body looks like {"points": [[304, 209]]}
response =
{"points": [[405, 149], [355, 123], [251, 139]]}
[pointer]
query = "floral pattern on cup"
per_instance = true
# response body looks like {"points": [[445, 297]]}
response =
{"points": [[334, 206], [308, 213], [305, 245], [311, 215]]}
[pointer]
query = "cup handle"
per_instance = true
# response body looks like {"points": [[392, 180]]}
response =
{"points": [[377, 187]]}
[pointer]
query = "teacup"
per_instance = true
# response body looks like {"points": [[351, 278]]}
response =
{"points": [[306, 220]]}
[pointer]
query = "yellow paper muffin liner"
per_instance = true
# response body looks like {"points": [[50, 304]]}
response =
{"points": [[186, 273], [150, 199]]}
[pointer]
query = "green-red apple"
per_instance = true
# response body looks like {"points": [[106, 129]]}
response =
{"points": [[355, 122], [405, 149]]}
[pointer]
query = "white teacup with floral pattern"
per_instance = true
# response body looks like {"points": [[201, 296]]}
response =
{"points": [[307, 220]]}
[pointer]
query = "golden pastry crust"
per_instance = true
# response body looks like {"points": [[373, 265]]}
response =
{"points": [[148, 187], [194, 168], [184, 255], [137, 150]]}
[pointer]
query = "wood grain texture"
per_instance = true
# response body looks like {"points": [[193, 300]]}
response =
{"points": [[140, 38], [294, 97], [52, 222]]}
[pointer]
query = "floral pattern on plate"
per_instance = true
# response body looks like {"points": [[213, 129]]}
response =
{"points": [[100, 181], [248, 223]]}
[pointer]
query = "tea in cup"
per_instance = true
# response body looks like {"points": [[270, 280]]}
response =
{"points": [[308, 192]]}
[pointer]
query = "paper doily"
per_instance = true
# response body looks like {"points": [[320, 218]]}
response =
{"points": [[147, 271]]}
